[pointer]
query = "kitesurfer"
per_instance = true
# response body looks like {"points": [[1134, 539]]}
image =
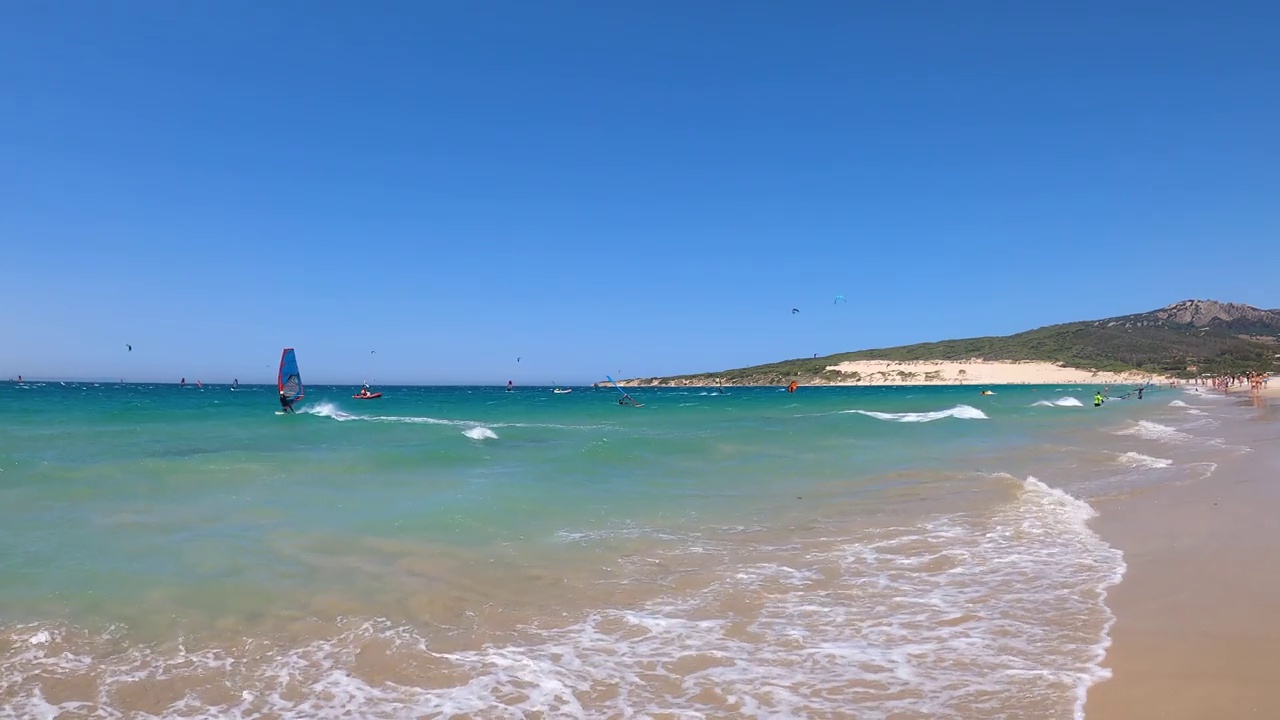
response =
{"points": [[285, 402], [1140, 393], [1098, 399]]}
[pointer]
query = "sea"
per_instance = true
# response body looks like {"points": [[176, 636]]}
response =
{"points": [[466, 552]]}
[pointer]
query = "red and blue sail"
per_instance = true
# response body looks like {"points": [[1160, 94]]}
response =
{"points": [[290, 380]]}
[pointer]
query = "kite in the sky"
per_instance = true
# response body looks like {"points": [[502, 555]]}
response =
{"points": [[839, 299], [130, 347], [795, 310]]}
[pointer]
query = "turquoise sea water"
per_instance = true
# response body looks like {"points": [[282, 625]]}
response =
{"points": [[142, 526]]}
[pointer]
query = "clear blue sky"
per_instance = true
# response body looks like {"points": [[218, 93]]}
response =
{"points": [[634, 188]]}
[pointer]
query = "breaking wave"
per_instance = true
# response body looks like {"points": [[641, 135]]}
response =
{"points": [[960, 412], [1060, 402], [1148, 430], [993, 614], [332, 412], [1134, 459]]}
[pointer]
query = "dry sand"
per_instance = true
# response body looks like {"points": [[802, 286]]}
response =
{"points": [[1197, 633], [977, 372]]}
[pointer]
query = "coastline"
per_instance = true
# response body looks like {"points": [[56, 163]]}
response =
{"points": [[1194, 635], [880, 373]]}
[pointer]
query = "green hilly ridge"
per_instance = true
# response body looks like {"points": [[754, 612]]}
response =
{"points": [[1185, 339]]}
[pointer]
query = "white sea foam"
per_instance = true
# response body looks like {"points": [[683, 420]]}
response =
{"points": [[1060, 402], [1148, 430], [1191, 409], [480, 433], [960, 412], [331, 411], [1134, 459], [999, 614]]}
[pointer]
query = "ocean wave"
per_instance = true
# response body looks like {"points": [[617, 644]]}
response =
{"points": [[1148, 430], [998, 614], [1060, 402], [480, 433], [960, 412], [1135, 459], [333, 412], [1191, 409]]}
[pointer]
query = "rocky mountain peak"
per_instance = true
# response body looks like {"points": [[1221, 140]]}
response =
{"points": [[1205, 313]]}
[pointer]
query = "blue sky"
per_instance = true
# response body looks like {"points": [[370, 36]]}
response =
{"points": [[639, 188]]}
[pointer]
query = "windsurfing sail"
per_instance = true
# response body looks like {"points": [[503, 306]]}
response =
{"points": [[290, 381], [625, 396]]}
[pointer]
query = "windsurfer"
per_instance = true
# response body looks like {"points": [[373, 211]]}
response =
{"points": [[285, 402]]}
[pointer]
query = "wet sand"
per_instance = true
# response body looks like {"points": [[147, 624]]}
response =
{"points": [[1196, 633]]}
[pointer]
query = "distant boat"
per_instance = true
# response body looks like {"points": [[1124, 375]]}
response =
{"points": [[366, 394], [562, 391]]}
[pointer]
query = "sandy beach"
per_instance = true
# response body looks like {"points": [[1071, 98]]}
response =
{"points": [[976, 372], [1195, 634], [968, 372]]}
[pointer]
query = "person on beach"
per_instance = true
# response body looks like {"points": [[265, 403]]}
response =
{"points": [[1098, 399], [285, 402]]}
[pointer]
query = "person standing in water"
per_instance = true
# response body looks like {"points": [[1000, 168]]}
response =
{"points": [[1098, 399]]}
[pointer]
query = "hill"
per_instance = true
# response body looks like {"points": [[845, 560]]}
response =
{"points": [[1184, 339]]}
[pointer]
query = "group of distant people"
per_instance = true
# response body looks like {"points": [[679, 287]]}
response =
{"points": [[1257, 382]]}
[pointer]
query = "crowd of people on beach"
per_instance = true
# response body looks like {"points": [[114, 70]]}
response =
{"points": [[1257, 382]]}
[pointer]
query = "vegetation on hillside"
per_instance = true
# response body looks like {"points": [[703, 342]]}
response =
{"points": [[1134, 342]]}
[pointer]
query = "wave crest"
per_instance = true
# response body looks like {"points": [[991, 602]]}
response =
{"points": [[1060, 402], [959, 412]]}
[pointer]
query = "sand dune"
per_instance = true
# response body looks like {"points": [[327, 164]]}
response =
{"points": [[973, 372]]}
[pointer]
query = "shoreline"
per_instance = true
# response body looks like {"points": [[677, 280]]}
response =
{"points": [[1194, 636], [883, 373]]}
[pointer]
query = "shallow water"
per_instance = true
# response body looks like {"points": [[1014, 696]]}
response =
{"points": [[890, 552]]}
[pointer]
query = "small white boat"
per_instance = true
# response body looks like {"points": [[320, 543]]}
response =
{"points": [[562, 391]]}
